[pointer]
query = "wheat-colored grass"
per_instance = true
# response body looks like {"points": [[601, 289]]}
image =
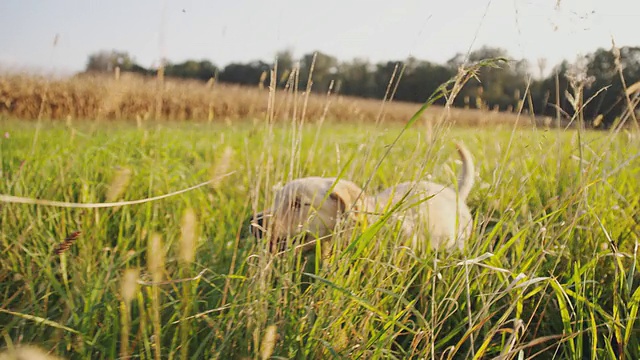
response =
{"points": [[136, 98]]}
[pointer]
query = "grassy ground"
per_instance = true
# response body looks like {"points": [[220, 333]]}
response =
{"points": [[549, 272]]}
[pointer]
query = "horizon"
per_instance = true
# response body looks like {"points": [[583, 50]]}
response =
{"points": [[59, 37]]}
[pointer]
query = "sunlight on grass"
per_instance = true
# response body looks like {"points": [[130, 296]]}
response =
{"points": [[550, 269]]}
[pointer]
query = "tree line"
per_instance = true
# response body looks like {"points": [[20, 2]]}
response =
{"points": [[602, 76]]}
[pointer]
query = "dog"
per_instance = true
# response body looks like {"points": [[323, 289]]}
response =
{"points": [[430, 214], [29, 352]]}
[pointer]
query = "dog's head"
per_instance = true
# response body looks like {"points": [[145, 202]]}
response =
{"points": [[311, 207]]}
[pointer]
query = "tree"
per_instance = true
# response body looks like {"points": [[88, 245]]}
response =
{"points": [[245, 74], [494, 86], [325, 68], [201, 70], [286, 63], [357, 78], [606, 92], [383, 75], [421, 79], [544, 92], [285, 60], [601, 65], [106, 61]]}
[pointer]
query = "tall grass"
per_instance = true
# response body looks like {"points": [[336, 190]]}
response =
{"points": [[549, 272]]}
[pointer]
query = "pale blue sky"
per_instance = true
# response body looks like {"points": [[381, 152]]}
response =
{"points": [[243, 30]]}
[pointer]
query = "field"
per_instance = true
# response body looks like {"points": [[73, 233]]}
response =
{"points": [[550, 272], [132, 97]]}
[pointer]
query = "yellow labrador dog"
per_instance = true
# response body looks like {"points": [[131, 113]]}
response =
{"points": [[430, 213], [27, 353]]}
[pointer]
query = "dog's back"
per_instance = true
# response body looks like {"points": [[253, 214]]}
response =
{"points": [[435, 211]]}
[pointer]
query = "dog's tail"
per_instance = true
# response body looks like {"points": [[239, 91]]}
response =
{"points": [[465, 182]]}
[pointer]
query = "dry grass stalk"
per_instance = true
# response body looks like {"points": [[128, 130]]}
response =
{"points": [[128, 290], [155, 254], [631, 105], [635, 88]]}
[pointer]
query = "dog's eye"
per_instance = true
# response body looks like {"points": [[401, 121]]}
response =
{"points": [[296, 203]]}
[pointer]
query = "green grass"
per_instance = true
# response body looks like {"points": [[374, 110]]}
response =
{"points": [[549, 272]]}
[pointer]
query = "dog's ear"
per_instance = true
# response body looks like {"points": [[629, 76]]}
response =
{"points": [[350, 199]]}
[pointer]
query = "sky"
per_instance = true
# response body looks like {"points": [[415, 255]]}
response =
{"points": [[58, 35]]}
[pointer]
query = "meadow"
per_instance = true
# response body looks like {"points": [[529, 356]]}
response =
{"points": [[550, 271]]}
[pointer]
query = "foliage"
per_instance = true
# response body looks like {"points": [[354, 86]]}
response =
{"points": [[107, 61], [200, 70], [244, 74]]}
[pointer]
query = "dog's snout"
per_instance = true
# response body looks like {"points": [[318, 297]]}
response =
{"points": [[257, 225], [258, 230]]}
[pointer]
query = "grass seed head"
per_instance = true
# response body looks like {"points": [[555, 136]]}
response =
{"points": [[221, 167], [188, 236], [268, 342], [67, 242], [155, 257], [119, 184], [129, 284]]}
